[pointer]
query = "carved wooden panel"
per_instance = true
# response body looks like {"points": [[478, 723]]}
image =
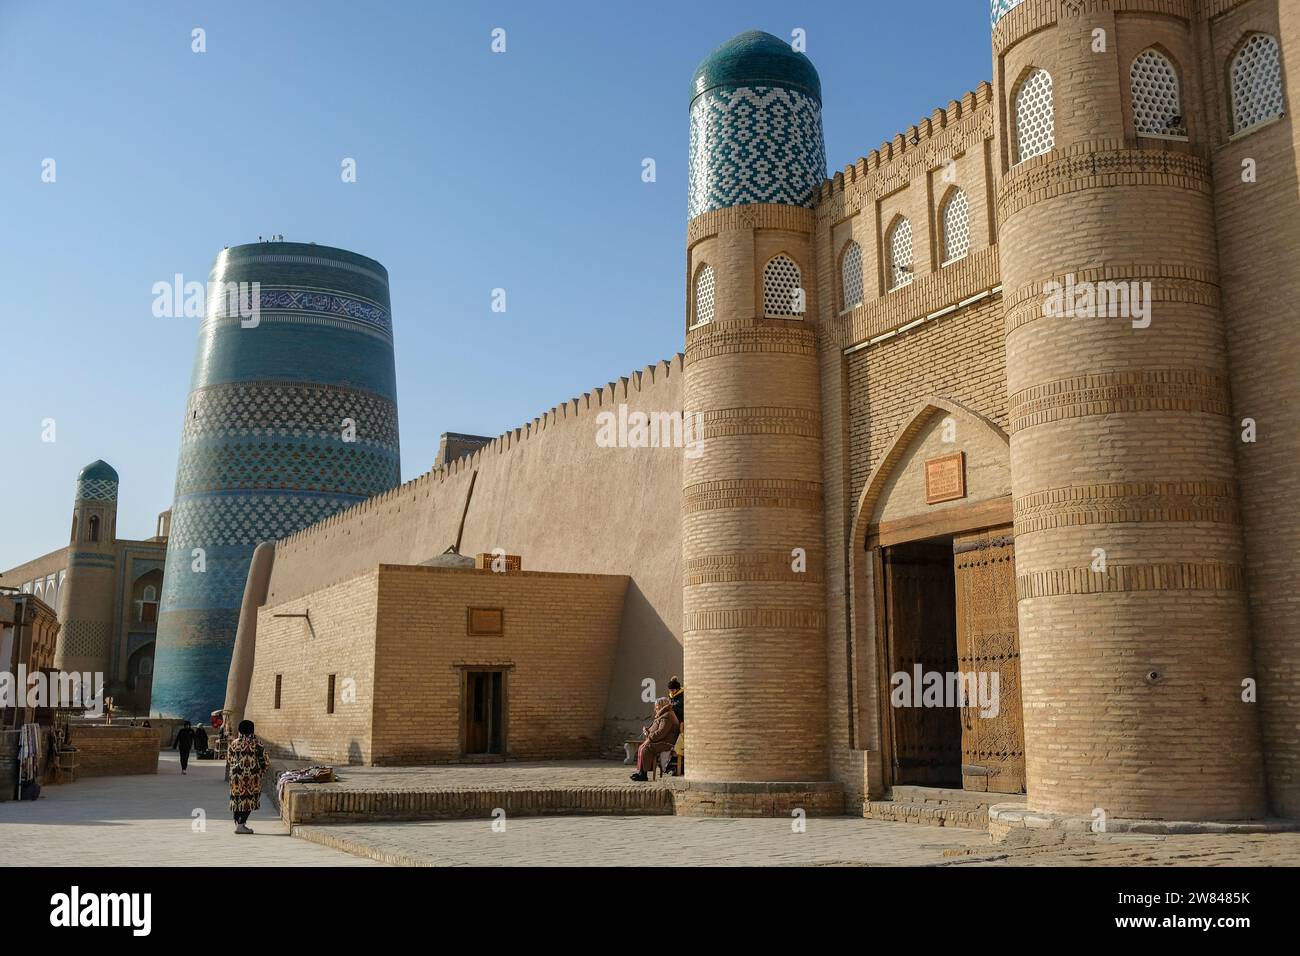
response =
{"points": [[988, 643]]}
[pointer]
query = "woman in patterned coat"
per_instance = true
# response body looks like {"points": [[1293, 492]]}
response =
{"points": [[247, 762]]}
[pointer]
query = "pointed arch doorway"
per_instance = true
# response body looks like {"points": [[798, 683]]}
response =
{"points": [[936, 637]]}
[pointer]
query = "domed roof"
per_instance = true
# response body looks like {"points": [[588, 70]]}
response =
{"points": [[98, 470], [451, 558], [756, 58]]}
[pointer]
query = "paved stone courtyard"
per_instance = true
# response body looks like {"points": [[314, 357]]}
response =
{"points": [[146, 820], [1137, 849], [647, 841]]}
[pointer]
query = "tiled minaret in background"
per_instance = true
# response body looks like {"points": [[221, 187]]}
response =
{"points": [[291, 417]]}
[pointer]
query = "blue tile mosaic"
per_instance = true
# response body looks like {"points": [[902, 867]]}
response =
{"points": [[97, 482], [754, 145], [1000, 8], [290, 419], [756, 126]]}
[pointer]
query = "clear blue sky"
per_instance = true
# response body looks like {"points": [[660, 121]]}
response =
{"points": [[475, 171]]}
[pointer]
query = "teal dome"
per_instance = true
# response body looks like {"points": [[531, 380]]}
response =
{"points": [[756, 58], [98, 470]]}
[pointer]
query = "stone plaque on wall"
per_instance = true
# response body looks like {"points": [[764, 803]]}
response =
{"points": [[945, 478], [485, 621]]}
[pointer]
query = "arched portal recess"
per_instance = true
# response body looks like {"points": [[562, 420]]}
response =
{"points": [[934, 640]]}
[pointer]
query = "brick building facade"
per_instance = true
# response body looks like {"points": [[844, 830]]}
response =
{"points": [[106, 590], [927, 444]]}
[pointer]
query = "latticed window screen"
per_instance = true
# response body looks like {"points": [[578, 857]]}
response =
{"points": [[956, 227], [704, 295], [1157, 103], [900, 254], [1256, 83], [851, 276], [782, 288], [1035, 121]]}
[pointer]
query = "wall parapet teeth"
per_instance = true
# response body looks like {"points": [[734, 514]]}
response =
{"points": [[896, 148], [598, 398]]}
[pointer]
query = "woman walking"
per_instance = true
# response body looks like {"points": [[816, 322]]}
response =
{"points": [[247, 763]]}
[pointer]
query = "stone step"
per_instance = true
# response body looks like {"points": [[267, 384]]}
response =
{"points": [[928, 814], [332, 803], [952, 797]]}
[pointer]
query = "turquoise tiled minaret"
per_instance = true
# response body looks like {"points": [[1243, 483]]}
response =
{"points": [[86, 594], [292, 416], [756, 126]]}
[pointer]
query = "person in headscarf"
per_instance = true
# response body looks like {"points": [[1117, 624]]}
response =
{"points": [[184, 742], [677, 694], [247, 763], [200, 741], [659, 738]]}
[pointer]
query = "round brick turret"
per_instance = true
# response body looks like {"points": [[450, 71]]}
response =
{"points": [[86, 596], [1132, 609], [754, 601]]}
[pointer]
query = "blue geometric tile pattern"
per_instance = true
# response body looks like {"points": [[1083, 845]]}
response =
{"points": [[288, 409], [97, 489], [97, 482], [309, 301], [756, 126], [754, 145], [289, 421], [1000, 8]]}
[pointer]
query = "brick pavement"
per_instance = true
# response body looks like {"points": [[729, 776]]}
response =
{"points": [[1138, 849], [647, 841], [146, 819]]}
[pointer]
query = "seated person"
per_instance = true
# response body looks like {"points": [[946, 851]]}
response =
{"points": [[659, 738]]}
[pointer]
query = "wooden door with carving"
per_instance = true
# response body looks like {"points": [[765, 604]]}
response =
{"points": [[988, 643], [926, 741]]}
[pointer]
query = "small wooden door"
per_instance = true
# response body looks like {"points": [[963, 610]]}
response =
{"points": [[988, 642], [919, 623], [484, 708]]}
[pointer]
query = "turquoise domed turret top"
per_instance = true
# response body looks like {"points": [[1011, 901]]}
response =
{"points": [[98, 469], [755, 58], [756, 126], [97, 482]]}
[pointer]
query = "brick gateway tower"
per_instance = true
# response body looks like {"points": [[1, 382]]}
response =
{"points": [[754, 600], [1132, 610]]}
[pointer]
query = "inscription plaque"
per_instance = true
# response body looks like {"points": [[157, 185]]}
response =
{"points": [[945, 478], [485, 622]]}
